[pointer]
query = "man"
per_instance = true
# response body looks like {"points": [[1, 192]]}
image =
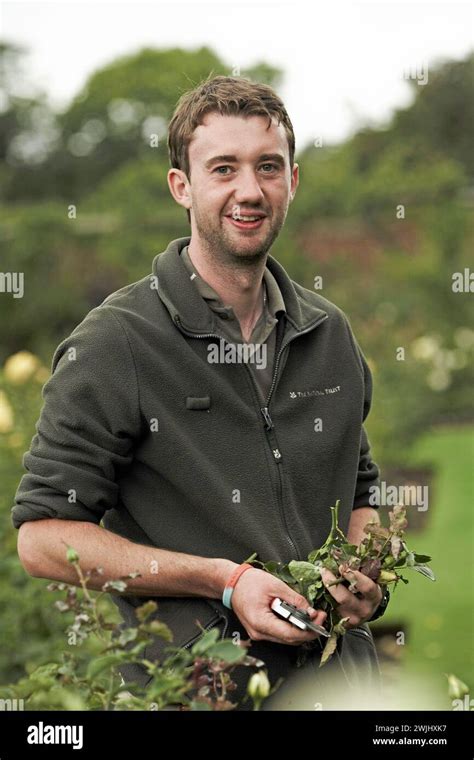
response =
{"points": [[196, 454]]}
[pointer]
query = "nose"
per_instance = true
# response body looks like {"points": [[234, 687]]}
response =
{"points": [[248, 189]]}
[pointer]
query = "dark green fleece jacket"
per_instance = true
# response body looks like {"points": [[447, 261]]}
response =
{"points": [[139, 429]]}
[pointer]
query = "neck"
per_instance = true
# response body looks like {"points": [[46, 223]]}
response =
{"points": [[241, 288]]}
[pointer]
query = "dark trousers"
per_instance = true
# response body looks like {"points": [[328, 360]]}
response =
{"points": [[350, 679]]}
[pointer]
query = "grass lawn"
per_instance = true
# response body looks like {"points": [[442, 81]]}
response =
{"points": [[438, 618]]}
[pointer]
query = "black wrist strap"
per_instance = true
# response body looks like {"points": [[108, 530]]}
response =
{"points": [[382, 606]]}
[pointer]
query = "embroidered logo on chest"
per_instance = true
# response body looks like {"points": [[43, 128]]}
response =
{"points": [[316, 392]]}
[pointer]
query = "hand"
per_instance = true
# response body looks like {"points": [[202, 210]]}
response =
{"points": [[358, 605], [253, 594]]}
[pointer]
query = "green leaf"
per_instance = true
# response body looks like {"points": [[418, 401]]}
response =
{"points": [[304, 572], [72, 555], [96, 667], [45, 676], [137, 648], [127, 635], [162, 684], [226, 650], [284, 575], [350, 549], [332, 565], [340, 627], [273, 567], [420, 559], [329, 649], [205, 642], [401, 561], [386, 576], [314, 556], [116, 585], [145, 610], [157, 628]]}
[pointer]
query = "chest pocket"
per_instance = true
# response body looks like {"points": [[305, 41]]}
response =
{"points": [[198, 403]]}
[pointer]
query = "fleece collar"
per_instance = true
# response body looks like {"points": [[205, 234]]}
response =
{"points": [[186, 305]]}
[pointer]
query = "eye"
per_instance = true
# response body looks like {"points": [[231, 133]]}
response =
{"points": [[218, 168], [272, 166]]}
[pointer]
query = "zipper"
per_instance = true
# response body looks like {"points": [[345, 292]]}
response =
{"points": [[194, 334], [264, 411], [269, 426], [272, 440], [363, 634], [270, 430], [282, 348], [359, 630]]}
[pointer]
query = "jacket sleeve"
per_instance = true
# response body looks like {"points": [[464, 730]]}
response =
{"points": [[367, 487], [87, 426]]}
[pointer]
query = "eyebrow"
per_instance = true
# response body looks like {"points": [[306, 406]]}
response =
{"points": [[233, 159]]}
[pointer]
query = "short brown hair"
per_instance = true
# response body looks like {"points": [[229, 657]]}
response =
{"points": [[229, 96]]}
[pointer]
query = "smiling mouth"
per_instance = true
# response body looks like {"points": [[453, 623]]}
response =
{"points": [[246, 221]]}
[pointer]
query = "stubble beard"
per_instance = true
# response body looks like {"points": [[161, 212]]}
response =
{"points": [[222, 246]]}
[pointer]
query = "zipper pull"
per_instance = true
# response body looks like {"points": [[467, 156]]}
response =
{"points": [[267, 418]]}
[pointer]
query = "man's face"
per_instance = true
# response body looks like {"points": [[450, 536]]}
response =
{"points": [[239, 168]]}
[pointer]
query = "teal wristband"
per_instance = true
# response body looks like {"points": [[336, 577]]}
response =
{"points": [[227, 596], [229, 589]]}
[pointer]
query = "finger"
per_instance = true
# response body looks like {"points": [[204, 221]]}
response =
{"points": [[364, 585], [340, 592], [286, 628], [298, 601], [285, 632], [318, 617], [302, 604]]}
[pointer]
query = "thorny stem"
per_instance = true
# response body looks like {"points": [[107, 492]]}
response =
{"points": [[90, 599], [223, 687], [335, 529], [82, 581]]}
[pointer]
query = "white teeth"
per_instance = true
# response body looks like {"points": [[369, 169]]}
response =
{"points": [[246, 218]]}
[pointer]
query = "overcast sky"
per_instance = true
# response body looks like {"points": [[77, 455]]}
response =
{"points": [[345, 63]]}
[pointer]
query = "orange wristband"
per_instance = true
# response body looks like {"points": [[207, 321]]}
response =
{"points": [[230, 586]]}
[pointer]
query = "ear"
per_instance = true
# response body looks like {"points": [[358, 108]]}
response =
{"points": [[295, 179], [180, 187]]}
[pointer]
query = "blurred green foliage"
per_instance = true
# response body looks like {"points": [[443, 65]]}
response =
{"points": [[384, 218], [439, 626], [25, 604], [87, 678]]}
